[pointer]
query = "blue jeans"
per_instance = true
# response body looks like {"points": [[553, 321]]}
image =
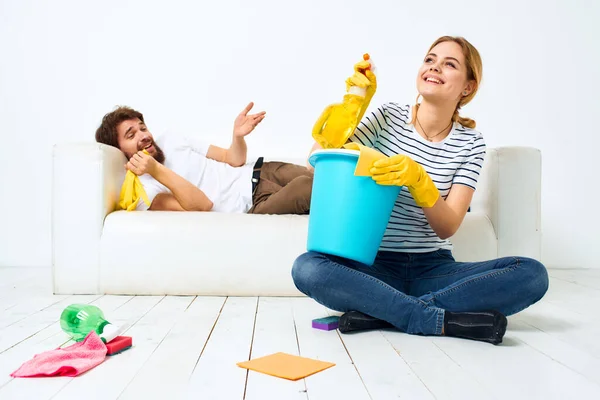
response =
{"points": [[412, 290]]}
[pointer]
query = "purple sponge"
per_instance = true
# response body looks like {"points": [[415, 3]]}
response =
{"points": [[326, 324]]}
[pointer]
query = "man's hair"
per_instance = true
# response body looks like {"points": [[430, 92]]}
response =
{"points": [[107, 131]]}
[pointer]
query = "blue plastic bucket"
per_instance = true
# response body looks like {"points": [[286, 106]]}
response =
{"points": [[348, 213]]}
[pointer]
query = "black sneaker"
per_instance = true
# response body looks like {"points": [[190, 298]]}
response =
{"points": [[485, 326], [357, 321]]}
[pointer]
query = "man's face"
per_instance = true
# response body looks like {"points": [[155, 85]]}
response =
{"points": [[134, 136]]}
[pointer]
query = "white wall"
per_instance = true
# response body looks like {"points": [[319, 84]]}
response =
{"points": [[191, 66]]}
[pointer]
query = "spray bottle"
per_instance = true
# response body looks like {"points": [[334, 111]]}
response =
{"points": [[78, 320], [338, 121]]}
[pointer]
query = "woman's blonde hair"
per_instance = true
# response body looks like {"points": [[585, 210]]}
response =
{"points": [[474, 72]]}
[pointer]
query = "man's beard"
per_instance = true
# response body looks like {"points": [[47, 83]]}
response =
{"points": [[159, 156]]}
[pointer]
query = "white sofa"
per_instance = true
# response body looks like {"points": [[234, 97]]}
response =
{"points": [[97, 250]]}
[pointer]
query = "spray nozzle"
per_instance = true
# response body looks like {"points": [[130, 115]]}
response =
{"points": [[367, 57]]}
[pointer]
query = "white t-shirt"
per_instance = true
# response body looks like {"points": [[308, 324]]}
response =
{"points": [[456, 160], [229, 188]]}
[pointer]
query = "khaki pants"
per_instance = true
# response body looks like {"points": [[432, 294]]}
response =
{"points": [[282, 189]]}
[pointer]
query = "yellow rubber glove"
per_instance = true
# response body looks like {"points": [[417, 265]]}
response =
{"points": [[365, 78], [401, 170], [131, 192], [338, 121]]}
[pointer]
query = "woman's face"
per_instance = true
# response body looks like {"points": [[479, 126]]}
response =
{"points": [[443, 76]]}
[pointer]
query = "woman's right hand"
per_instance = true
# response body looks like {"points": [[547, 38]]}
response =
{"points": [[363, 77]]}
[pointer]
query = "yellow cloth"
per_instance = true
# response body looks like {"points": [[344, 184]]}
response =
{"points": [[366, 159], [286, 366], [131, 192]]}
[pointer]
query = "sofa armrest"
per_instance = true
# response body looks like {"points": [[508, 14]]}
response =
{"points": [[510, 194], [86, 182]]}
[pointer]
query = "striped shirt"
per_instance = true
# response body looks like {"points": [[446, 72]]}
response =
{"points": [[455, 160]]}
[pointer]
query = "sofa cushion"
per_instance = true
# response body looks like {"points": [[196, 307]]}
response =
{"points": [[181, 253]]}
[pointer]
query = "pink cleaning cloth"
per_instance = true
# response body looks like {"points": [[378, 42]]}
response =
{"points": [[69, 361]]}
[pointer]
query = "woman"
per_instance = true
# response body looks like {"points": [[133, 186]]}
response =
{"points": [[415, 284]]}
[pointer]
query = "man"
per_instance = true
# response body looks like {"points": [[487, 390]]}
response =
{"points": [[183, 174]]}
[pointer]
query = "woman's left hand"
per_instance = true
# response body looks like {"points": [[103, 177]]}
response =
{"points": [[401, 170]]}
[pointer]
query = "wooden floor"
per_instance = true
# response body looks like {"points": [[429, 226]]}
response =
{"points": [[188, 347]]}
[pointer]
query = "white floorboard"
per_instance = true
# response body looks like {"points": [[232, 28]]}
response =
{"points": [[429, 362], [38, 334], [216, 375], [516, 370], [166, 373], [341, 381], [275, 331], [188, 347], [149, 332], [578, 330], [384, 372], [40, 388]]}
